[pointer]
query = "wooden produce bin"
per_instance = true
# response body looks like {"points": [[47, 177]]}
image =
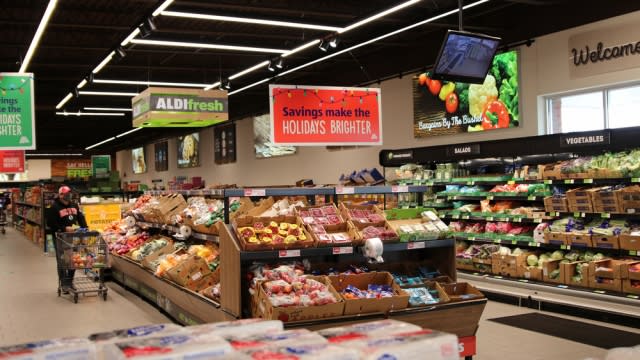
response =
{"points": [[569, 270], [399, 300]]}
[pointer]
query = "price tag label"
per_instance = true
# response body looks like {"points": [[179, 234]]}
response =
{"points": [[635, 180], [568, 247], [341, 250], [633, 252], [455, 216], [497, 241], [513, 242], [255, 192], [498, 277], [511, 182], [548, 182], [537, 220], [532, 198], [471, 238], [416, 245], [563, 247], [449, 197], [588, 181], [562, 286], [442, 216], [518, 220], [465, 217], [633, 296], [599, 291], [345, 190], [569, 181], [576, 214], [523, 280], [289, 253], [605, 216], [631, 211], [490, 197], [489, 218], [471, 183], [429, 183], [399, 189]]}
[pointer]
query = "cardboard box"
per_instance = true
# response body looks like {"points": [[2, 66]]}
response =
{"points": [[630, 286], [601, 283], [625, 272], [346, 214], [189, 271], [262, 206], [462, 291], [249, 221], [530, 273], [579, 240], [266, 310], [399, 300], [170, 206], [615, 267], [553, 204], [629, 242], [604, 241], [551, 171], [465, 264], [569, 270], [555, 238], [580, 195], [149, 259], [547, 268], [245, 205], [346, 228], [508, 265], [629, 199]]}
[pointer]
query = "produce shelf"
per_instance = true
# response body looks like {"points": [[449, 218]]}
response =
{"points": [[176, 229], [603, 215], [381, 189], [185, 306], [514, 219], [200, 192], [494, 196], [480, 239], [28, 204], [294, 191]]}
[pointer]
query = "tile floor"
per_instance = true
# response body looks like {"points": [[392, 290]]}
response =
{"points": [[31, 310]]}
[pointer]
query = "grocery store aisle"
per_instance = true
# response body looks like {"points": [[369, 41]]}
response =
{"points": [[31, 309]]}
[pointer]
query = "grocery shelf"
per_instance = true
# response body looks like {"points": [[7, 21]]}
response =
{"points": [[514, 219], [293, 191], [341, 250], [176, 229], [344, 190], [551, 246], [28, 204], [493, 196], [199, 192], [579, 214]]}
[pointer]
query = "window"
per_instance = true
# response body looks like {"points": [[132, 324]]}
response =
{"points": [[602, 109]]}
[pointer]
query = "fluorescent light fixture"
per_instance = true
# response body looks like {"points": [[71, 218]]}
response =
{"points": [[378, 15], [58, 154], [432, 19], [251, 21], [302, 47], [206, 46], [80, 113], [251, 69], [82, 84], [147, 83], [64, 101], [36, 38], [106, 109], [100, 143], [128, 39], [107, 93], [162, 7], [250, 86], [215, 84], [103, 63], [129, 132]]}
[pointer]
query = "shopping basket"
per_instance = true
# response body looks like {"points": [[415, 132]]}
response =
{"points": [[81, 259]]}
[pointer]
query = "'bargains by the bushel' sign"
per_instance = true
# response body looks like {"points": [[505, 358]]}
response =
{"points": [[307, 115]]}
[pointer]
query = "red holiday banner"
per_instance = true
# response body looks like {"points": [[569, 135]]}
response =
{"points": [[321, 115], [11, 161]]}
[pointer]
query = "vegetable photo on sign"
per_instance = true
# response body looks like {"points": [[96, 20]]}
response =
{"points": [[447, 107]]}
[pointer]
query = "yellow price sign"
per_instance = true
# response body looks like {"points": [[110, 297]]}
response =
{"points": [[99, 216]]}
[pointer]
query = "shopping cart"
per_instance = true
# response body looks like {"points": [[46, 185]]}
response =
{"points": [[81, 258]]}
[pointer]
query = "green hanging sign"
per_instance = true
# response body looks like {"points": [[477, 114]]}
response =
{"points": [[17, 116], [101, 166]]}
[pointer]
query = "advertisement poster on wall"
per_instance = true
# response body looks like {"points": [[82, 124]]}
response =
{"points": [[448, 108], [324, 115], [138, 160], [11, 161], [71, 168], [189, 150], [18, 125], [262, 143], [161, 157], [224, 144]]}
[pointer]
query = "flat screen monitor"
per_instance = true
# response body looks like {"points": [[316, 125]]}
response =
{"points": [[138, 160], [465, 57]]}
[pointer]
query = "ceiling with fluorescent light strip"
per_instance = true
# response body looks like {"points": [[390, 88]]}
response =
{"points": [[82, 38]]}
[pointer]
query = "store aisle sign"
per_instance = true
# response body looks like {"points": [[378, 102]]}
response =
{"points": [[17, 117], [11, 161], [99, 216], [179, 107], [591, 138], [322, 116], [604, 50], [100, 166]]}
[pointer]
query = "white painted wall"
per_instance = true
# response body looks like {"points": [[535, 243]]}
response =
{"points": [[544, 70]]}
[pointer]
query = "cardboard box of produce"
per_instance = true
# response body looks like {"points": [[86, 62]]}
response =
{"points": [[262, 206], [569, 272], [579, 240], [347, 209], [552, 204], [610, 269], [508, 265], [189, 271], [602, 283], [604, 241], [630, 270], [551, 272], [555, 238], [266, 310], [245, 205], [347, 231], [630, 286], [462, 291], [171, 205], [148, 260], [580, 195], [465, 264], [629, 242], [246, 221], [551, 171], [530, 273], [629, 199], [398, 301]]}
